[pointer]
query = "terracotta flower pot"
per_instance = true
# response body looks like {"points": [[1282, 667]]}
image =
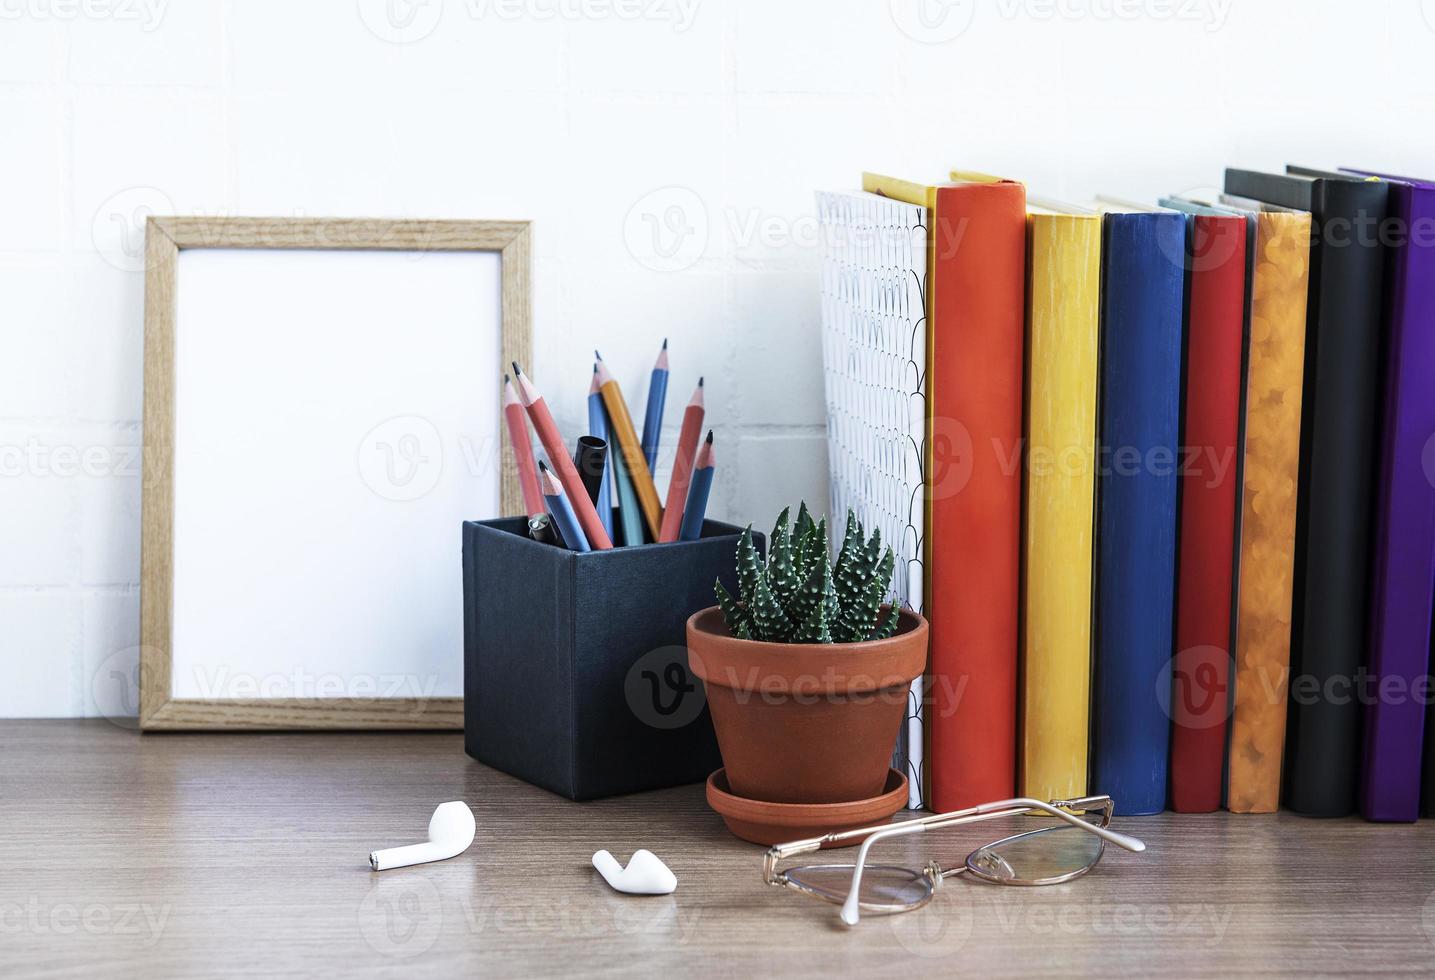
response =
{"points": [[806, 722]]}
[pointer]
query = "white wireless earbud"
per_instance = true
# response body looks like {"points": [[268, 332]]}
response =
{"points": [[644, 875], [450, 832]]}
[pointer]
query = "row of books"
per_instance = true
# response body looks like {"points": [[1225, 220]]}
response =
{"points": [[1175, 507]]}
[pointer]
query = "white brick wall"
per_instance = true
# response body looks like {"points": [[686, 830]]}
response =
{"points": [[592, 122]]}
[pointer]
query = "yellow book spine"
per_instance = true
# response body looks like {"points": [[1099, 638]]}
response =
{"points": [[1272, 463], [1063, 333]]}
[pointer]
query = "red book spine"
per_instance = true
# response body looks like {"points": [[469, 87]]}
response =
{"points": [[1210, 478], [978, 341]]}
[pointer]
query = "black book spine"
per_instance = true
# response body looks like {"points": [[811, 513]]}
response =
{"points": [[1338, 439]]}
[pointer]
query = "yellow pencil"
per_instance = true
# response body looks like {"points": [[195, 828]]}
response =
{"points": [[626, 438]]}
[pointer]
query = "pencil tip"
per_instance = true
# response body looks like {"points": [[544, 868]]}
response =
{"points": [[517, 370], [709, 439], [595, 367], [665, 343], [543, 466], [596, 354], [506, 379], [700, 381]]}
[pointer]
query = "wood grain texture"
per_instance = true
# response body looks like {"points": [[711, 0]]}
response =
{"points": [[228, 855], [517, 306], [391, 234], [157, 493], [164, 237]]}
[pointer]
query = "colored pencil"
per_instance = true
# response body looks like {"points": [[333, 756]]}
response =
{"points": [[624, 439], [683, 466], [630, 515], [552, 441], [522, 449], [560, 505], [653, 417], [598, 426], [702, 483]]}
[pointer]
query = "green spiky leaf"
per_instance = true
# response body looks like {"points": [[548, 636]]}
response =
{"points": [[732, 612], [888, 626], [749, 566], [782, 574], [815, 628], [811, 594], [769, 621], [862, 618]]}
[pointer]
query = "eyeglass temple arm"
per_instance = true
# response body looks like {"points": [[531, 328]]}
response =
{"points": [[1057, 808], [986, 811]]}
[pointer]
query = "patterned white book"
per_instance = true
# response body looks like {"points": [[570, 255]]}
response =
{"points": [[874, 353]]}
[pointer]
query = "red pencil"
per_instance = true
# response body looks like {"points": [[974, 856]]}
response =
{"points": [[522, 449], [683, 466], [558, 458]]}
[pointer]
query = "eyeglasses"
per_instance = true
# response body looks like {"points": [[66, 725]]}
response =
{"points": [[1045, 856]]}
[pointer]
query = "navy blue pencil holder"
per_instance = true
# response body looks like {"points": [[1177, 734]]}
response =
{"points": [[575, 664]]}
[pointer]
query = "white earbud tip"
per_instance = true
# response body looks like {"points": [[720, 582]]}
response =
{"points": [[645, 874]]}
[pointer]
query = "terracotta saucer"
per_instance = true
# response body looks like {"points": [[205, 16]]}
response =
{"points": [[778, 823]]}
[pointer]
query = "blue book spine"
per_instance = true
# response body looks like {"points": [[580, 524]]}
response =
{"points": [[1143, 298]]}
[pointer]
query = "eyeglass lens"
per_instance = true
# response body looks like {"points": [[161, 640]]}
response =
{"points": [[883, 886], [1038, 855]]}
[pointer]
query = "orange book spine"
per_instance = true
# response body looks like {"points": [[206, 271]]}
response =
{"points": [[1274, 392], [974, 540]]}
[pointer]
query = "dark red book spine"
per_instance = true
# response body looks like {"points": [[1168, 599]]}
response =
{"points": [[1210, 498]]}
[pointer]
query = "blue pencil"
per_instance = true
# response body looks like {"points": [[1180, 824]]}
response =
{"points": [[598, 426], [653, 417], [698, 489], [562, 510]]}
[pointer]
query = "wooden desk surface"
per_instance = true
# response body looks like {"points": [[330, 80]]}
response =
{"points": [[195, 855]]}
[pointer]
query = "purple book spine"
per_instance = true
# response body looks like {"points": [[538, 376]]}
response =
{"points": [[1403, 567]]}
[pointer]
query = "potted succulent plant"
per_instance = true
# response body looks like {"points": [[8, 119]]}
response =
{"points": [[807, 668]]}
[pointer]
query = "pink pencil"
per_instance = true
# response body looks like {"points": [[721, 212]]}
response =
{"points": [[522, 449], [683, 466], [558, 458]]}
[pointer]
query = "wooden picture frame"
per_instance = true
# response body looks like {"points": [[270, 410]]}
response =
{"points": [[165, 237]]}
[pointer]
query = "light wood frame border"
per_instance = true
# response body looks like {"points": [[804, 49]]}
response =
{"points": [[164, 237]]}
